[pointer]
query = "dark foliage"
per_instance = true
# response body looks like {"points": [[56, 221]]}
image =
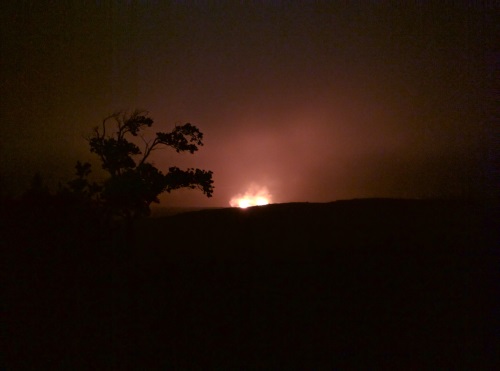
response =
{"points": [[135, 183]]}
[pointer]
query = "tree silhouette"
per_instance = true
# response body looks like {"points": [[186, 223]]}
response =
{"points": [[134, 183]]}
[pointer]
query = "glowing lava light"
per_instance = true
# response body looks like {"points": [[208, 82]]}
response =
{"points": [[244, 203], [254, 196]]}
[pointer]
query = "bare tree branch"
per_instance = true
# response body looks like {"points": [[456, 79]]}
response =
{"points": [[147, 152], [104, 124]]}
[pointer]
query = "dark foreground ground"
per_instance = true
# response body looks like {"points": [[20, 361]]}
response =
{"points": [[363, 284]]}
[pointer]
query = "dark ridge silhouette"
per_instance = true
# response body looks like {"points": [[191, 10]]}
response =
{"points": [[380, 283], [163, 211]]}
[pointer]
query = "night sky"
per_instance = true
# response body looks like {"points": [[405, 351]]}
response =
{"points": [[314, 100]]}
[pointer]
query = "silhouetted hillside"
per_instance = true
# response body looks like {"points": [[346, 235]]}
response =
{"points": [[380, 283]]}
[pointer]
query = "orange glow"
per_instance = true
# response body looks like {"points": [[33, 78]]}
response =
{"points": [[255, 196]]}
